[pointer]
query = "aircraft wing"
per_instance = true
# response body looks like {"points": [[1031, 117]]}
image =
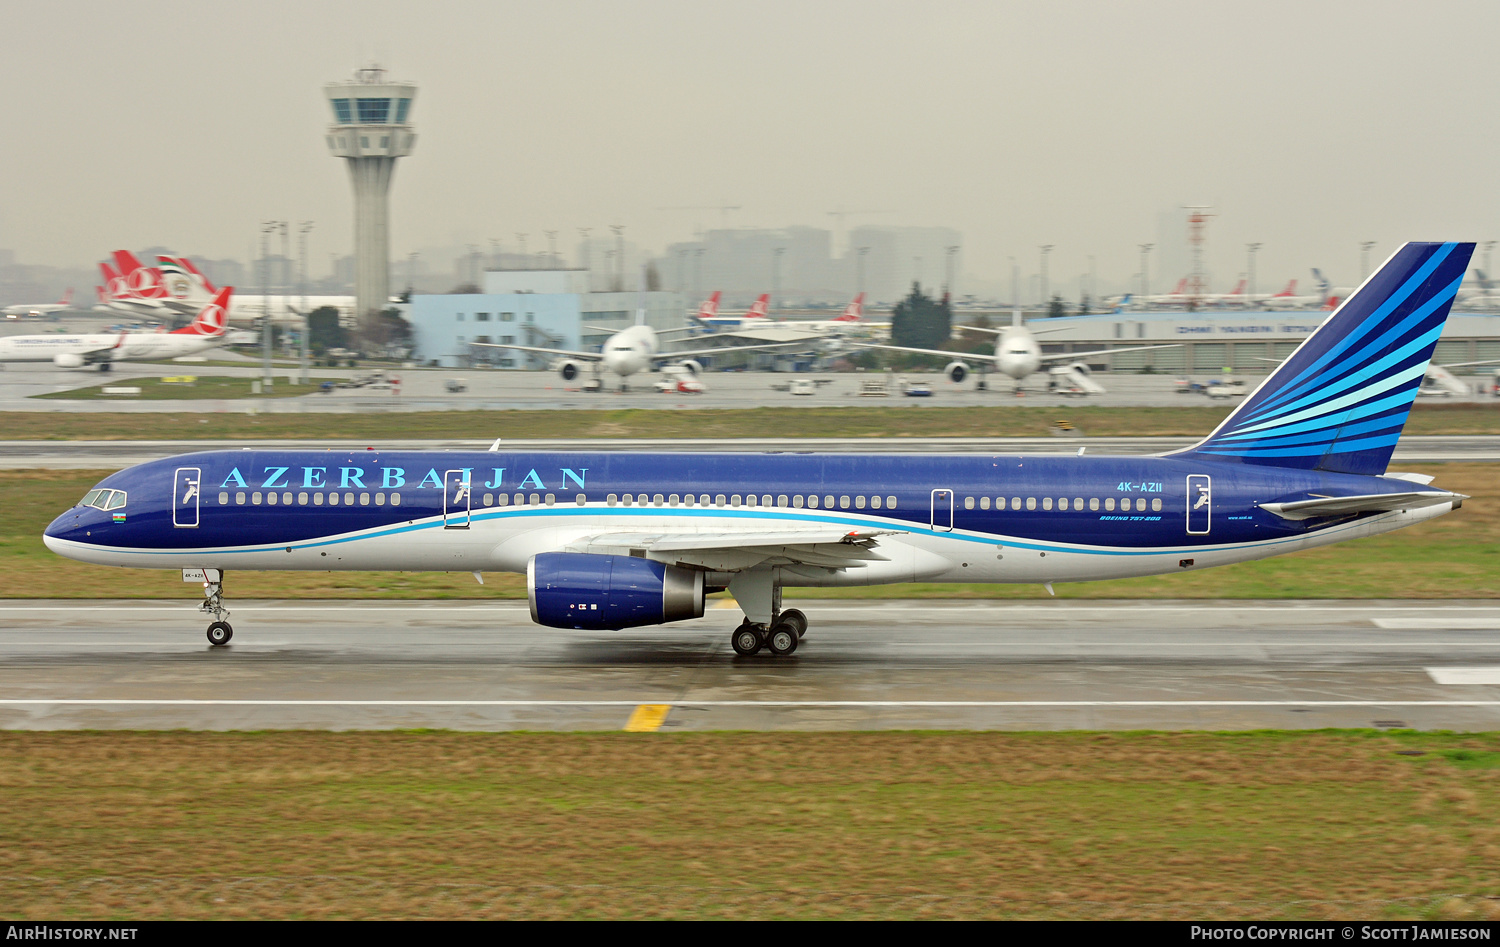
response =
{"points": [[587, 356], [1370, 503], [903, 348], [1070, 356], [830, 547], [726, 349]]}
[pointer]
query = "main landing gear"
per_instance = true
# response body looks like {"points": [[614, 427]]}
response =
{"points": [[781, 637], [219, 632]]}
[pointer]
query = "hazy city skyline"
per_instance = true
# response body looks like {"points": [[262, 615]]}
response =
{"points": [[1308, 127]]}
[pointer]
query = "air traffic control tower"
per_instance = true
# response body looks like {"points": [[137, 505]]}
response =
{"points": [[371, 129]]}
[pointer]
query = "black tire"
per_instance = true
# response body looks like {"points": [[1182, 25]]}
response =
{"points": [[219, 633], [746, 641], [796, 617], [783, 639]]}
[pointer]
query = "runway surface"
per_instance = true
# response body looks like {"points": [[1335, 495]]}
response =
{"points": [[863, 665], [90, 455]]}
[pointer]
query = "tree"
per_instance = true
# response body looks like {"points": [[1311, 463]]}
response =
{"points": [[1056, 309], [385, 332], [1083, 306], [324, 331], [919, 321], [466, 289]]}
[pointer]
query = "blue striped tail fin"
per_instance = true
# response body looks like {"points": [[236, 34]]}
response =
{"points": [[1339, 402]]}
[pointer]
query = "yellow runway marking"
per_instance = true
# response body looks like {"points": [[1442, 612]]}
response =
{"points": [[647, 718], [726, 603]]}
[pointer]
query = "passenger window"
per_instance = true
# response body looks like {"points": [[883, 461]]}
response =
{"points": [[333, 499], [255, 498], [551, 499], [984, 503], [348, 499], [489, 499], [396, 499], [734, 500], [1062, 504], [380, 499], [640, 499], [501, 499], [843, 503], [271, 499], [1109, 503], [520, 499], [859, 502], [1046, 503], [317, 499], [718, 499], [1156, 505], [364, 499], [611, 499], [672, 500], [1015, 503], [765, 499], [703, 500], [828, 502], [627, 499], [239, 499], [536, 499], [656, 500], [781, 499], [1078, 503], [581, 500], [969, 503], [797, 501], [812, 501], [1093, 503], [302, 499], [223, 497], [286, 499], [749, 499], [687, 499], [890, 503]]}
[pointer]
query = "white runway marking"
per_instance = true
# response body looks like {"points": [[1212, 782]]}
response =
{"points": [[1474, 675], [1437, 624], [253, 702]]}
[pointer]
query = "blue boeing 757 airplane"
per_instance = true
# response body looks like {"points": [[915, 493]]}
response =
{"points": [[614, 540]]}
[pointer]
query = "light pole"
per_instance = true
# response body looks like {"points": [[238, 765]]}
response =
{"points": [[585, 255], [303, 229], [859, 269], [1488, 246], [698, 272], [266, 229], [950, 253], [521, 242], [551, 249], [1250, 271], [1046, 248], [1015, 284], [1146, 249], [776, 254], [1364, 258]]}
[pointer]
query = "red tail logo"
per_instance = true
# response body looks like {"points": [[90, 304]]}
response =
{"points": [[213, 318], [1291, 290], [710, 307], [854, 311], [761, 307]]}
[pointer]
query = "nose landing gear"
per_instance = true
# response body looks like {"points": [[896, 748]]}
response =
{"points": [[219, 632]]}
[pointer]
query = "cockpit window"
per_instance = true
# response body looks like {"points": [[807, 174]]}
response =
{"points": [[104, 499]]}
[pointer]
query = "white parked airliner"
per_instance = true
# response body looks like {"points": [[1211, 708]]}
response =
{"points": [[98, 348]]}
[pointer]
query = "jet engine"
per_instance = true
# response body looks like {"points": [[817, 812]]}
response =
{"points": [[691, 366], [569, 369], [67, 360], [956, 372], [583, 590]]}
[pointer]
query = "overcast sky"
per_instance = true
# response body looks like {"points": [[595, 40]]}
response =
{"points": [[1309, 126]]}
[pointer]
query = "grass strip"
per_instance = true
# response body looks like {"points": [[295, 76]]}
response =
{"points": [[297, 824], [1454, 556], [206, 387], [864, 421]]}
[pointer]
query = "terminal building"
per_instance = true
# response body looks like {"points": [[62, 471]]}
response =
{"points": [[1240, 341], [545, 308]]}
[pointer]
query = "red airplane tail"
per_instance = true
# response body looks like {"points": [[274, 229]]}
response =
{"points": [[854, 311], [142, 282], [761, 308], [1291, 290], [1181, 287], [67, 299], [1238, 288], [710, 307], [212, 319]]}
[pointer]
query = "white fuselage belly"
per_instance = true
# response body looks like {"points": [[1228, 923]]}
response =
{"points": [[143, 345]]}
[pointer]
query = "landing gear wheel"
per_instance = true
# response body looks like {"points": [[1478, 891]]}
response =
{"points": [[219, 633], [746, 640], [796, 618], [783, 638]]}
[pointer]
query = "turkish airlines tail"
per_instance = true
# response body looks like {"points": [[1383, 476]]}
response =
{"points": [[710, 307], [1181, 287], [212, 319], [142, 282], [854, 311], [1238, 289], [761, 307], [1291, 290], [67, 299]]}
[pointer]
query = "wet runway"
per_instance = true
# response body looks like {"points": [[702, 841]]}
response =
{"points": [[863, 665]]}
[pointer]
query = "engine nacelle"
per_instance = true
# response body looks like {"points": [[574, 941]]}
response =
{"points": [[691, 366], [956, 372], [67, 360], [583, 590], [569, 369]]}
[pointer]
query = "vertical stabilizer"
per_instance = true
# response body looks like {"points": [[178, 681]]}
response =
{"points": [[1338, 403]]}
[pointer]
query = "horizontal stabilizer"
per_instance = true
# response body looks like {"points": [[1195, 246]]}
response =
{"points": [[1369, 503]]}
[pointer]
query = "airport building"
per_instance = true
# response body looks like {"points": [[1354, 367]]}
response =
{"points": [[1241, 341], [545, 308]]}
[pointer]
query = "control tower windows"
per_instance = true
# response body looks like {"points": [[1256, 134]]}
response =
{"points": [[373, 111], [342, 112], [401, 106]]}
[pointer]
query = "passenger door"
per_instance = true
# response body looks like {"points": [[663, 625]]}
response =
{"points": [[942, 510], [1200, 504], [456, 499], [185, 489]]}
